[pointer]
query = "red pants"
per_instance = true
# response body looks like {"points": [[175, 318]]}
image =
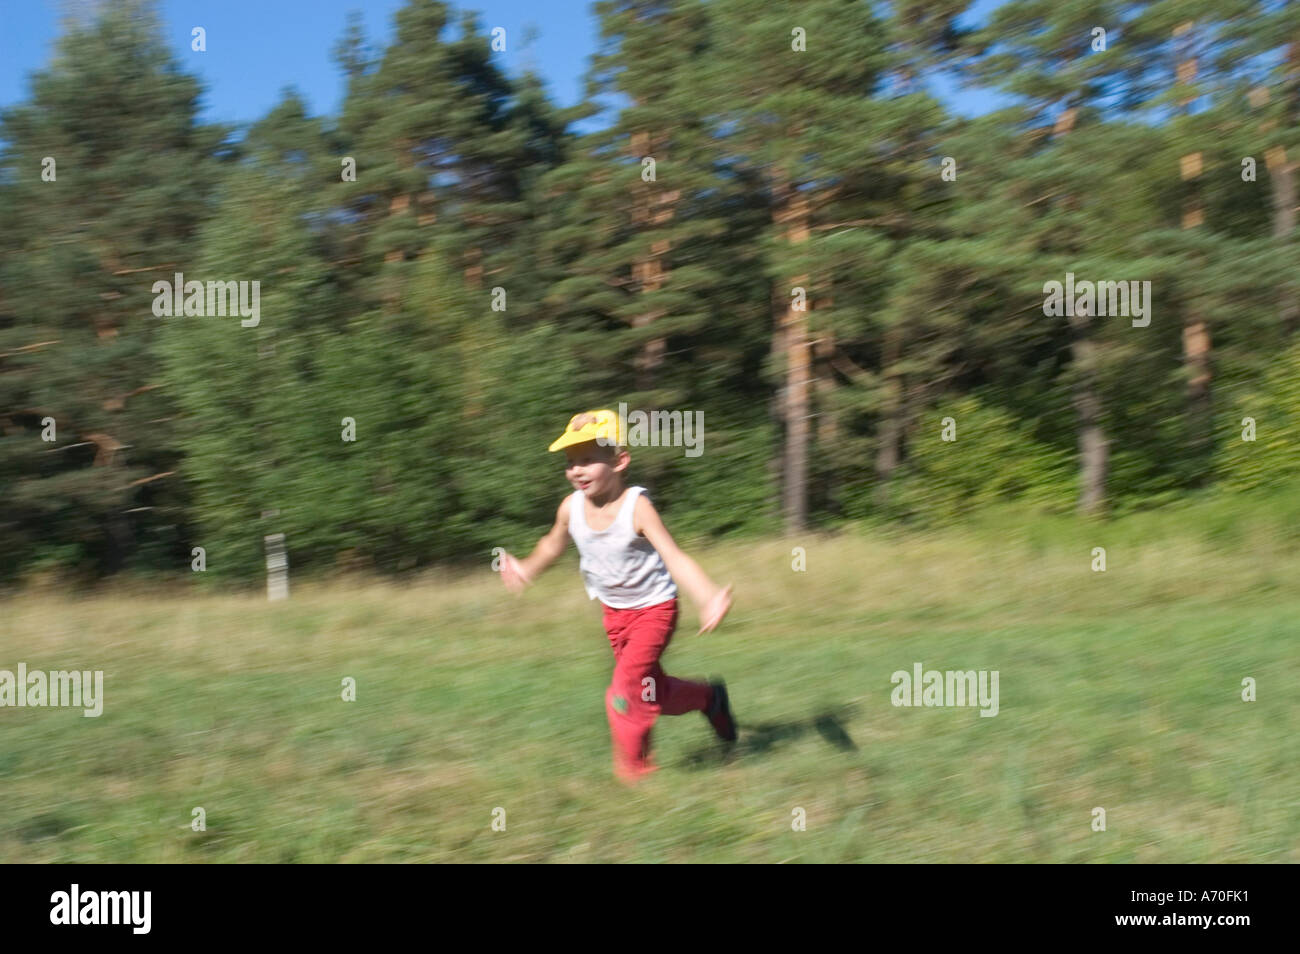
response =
{"points": [[640, 690]]}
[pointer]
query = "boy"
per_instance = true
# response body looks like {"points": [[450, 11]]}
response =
{"points": [[629, 562]]}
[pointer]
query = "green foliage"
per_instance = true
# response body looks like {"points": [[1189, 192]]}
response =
{"points": [[775, 168], [1272, 458], [994, 459], [79, 252]]}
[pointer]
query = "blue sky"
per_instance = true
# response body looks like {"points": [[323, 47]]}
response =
{"points": [[256, 48]]}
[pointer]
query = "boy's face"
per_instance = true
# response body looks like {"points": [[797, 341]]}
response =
{"points": [[594, 468]]}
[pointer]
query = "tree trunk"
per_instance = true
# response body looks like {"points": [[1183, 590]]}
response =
{"points": [[891, 430], [1094, 450], [653, 209], [474, 268], [824, 377], [796, 419], [827, 430], [1280, 169], [793, 211], [396, 206], [1196, 331], [1094, 447], [1281, 173], [891, 424]]}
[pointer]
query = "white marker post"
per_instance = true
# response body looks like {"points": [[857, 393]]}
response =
{"points": [[277, 568]]}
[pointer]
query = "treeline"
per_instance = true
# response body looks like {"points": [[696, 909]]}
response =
{"points": [[778, 223]]}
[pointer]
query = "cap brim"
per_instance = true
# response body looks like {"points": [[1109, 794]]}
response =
{"points": [[569, 438]]}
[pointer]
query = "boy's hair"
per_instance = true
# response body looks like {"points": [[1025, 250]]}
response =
{"points": [[608, 452]]}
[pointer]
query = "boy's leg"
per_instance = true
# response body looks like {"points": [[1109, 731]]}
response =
{"points": [[683, 695], [675, 696], [637, 638], [640, 689]]}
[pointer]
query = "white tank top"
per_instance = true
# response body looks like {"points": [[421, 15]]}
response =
{"points": [[620, 568]]}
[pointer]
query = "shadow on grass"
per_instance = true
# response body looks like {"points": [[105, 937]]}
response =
{"points": [[762, 738], [48, 825]]}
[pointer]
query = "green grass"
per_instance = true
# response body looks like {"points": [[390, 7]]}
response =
{"points": [[1118, 689]]}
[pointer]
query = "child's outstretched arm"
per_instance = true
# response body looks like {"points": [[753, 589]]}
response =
{"points": [[713, 600], [518, 574]]}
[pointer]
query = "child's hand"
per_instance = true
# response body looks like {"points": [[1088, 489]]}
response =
{"points": [[715, 609], [512, 574]]}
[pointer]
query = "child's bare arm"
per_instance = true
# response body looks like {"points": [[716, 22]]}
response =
{"points": [[517, 574], [714, 601]]}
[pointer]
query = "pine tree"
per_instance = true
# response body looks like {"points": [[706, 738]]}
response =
{"points": [[1070, 80], [442, 152], [658, 283], [792, 95], [249, 427], [107, 174]]}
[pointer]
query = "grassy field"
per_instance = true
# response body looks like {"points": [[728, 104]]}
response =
{"points": [[1118, 689]]}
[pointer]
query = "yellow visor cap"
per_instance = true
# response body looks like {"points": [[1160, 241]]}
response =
{"points": [[590, 426]]}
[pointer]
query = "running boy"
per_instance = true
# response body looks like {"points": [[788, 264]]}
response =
{"points": [[628, 562]]}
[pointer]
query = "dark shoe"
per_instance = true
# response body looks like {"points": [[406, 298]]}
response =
{"points": [[719, 713]]}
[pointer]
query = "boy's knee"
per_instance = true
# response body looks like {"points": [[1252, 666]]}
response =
{"points": [[616, 700], [631, 700]]}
